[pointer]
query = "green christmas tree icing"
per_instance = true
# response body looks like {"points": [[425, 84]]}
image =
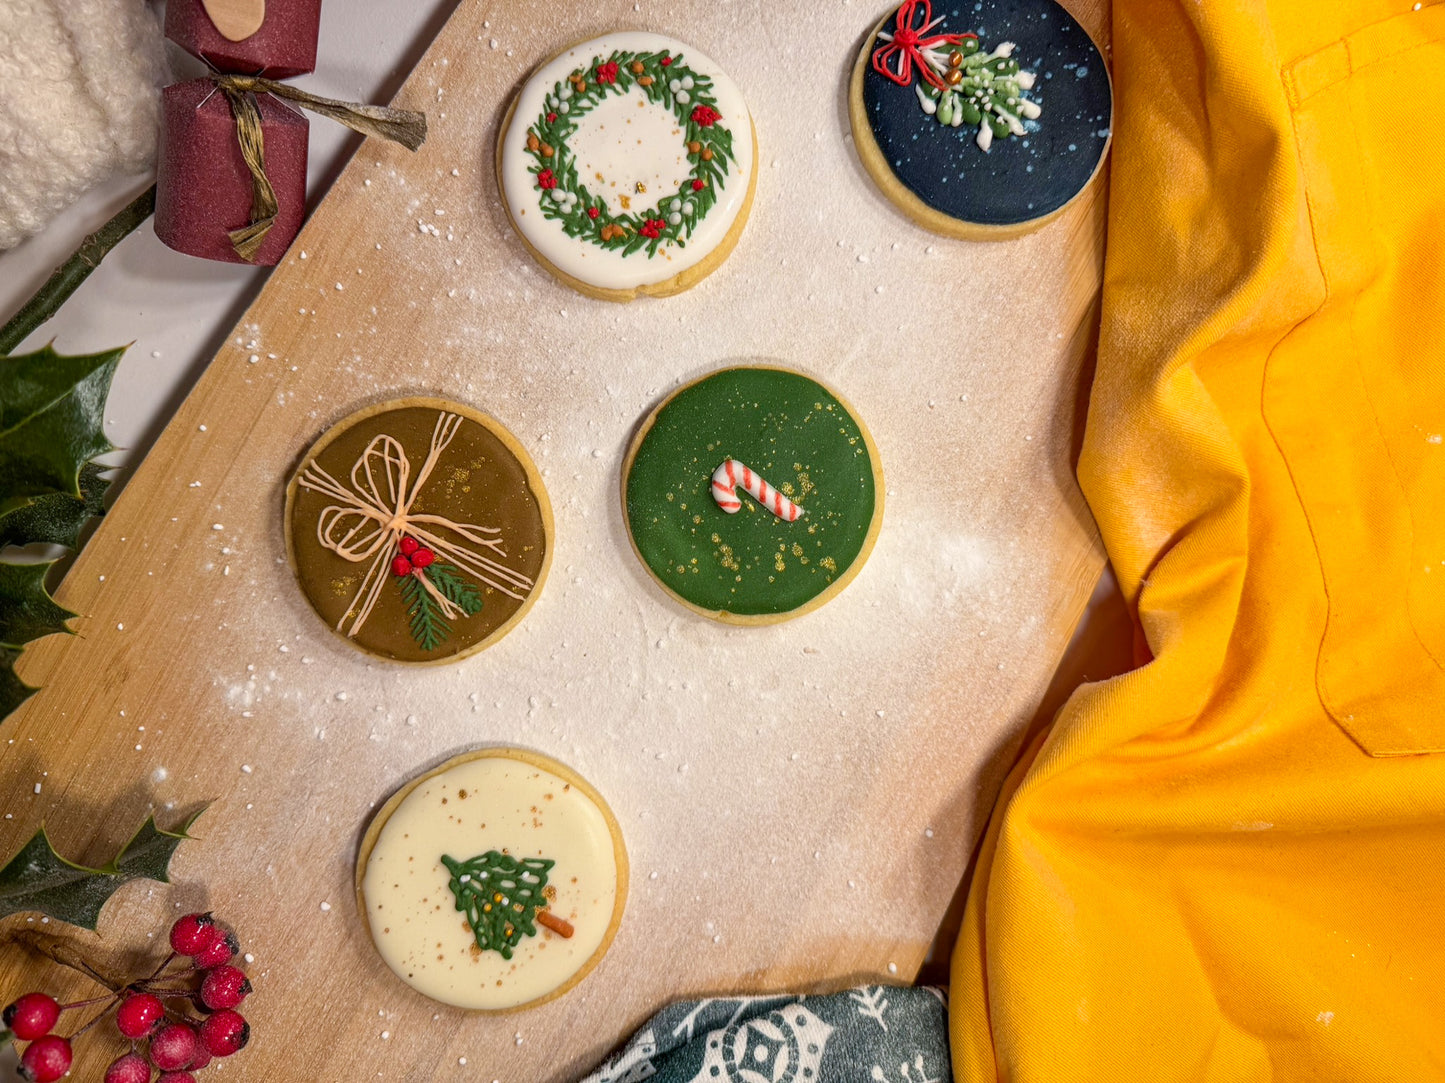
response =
{"points": [[500, 896]]}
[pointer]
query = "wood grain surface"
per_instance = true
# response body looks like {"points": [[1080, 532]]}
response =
{"points": [[799, 801]]}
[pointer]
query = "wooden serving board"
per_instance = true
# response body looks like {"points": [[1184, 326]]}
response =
{"points": [[800, 801]]}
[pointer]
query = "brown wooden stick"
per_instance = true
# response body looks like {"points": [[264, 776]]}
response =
{"points": [[548, 920]]}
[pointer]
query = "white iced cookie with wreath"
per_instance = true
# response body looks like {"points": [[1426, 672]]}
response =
{"points": [[628, 164]]}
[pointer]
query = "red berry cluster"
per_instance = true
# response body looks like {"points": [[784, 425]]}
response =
{"points": [[412, 556], [705, 116], [653, 227], [179, 1044], [607, 73]]}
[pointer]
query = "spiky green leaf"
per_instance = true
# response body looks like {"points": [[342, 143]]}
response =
{"points": [[26, 609], [58, 518], [39, 880], [51, 421]]}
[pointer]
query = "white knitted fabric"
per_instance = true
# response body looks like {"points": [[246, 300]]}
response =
{"points": [[79, 102]]}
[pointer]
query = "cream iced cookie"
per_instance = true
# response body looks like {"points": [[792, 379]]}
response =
{"points": [[753, 495], [981, 120], [419, 530], [627, 164], [495, 882]]}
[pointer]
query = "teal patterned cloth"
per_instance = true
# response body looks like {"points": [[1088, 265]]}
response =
{"points": [[874, 1034]]}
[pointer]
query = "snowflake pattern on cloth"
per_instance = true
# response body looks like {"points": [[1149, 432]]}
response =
{"points": [[882, 1034]]}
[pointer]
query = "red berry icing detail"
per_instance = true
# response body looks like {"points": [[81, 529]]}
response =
{"points": [[705, 116], [31, 1016], [607, 73], [423, 558], [666, 61], [401, 566], [174, 1046], [545, 179], [225, 1033], [653, 227], [593, 212], [193, 933], [551, 118], [176, 1077], [138, 1015], [408, 546], [221, 950], [131, 1068], [697, 186], [45, 1059], [224, 987]]}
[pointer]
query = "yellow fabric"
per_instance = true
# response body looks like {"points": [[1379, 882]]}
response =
{"points": [[1229, 864]]}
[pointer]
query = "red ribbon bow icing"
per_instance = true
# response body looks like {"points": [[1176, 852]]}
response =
{"points": [[906, 45]]}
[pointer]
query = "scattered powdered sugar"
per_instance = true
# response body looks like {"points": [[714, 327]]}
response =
{"points": [[805, 764]]}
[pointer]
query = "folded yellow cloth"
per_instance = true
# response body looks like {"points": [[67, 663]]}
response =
{"points": [[1229, 864]]}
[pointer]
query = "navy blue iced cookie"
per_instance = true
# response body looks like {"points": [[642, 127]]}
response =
{"points": [[981, 119]]}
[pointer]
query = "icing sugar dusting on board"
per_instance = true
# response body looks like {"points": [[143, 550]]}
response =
{"points": [[825, 748]]}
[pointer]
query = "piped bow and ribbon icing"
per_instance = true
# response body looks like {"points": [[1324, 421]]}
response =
{"points": [[910, 42], [371, 518]]}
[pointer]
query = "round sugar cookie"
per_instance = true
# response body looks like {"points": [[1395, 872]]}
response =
{"points": [[495, 882], [419, 530], [753, 495], [983, 119], [627, 164]]}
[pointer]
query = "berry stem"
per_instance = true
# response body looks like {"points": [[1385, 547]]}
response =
{"points": [[164, 963], [95, 1019], [88, 1003]]}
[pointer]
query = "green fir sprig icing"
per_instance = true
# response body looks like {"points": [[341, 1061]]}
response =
{"points": [[428, 624], [666, 80], [981, 89], [500, 895]]}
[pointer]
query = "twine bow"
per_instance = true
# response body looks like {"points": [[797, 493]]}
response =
{"points": [[403, 126], [907, 45], [375, 514]]}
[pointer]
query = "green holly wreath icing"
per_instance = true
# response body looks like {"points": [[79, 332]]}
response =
{"points": [[667, 81], [789, 442]]}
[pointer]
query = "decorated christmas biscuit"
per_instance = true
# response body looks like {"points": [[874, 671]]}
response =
{"points": [[419, 530], [627, 164], [495, 882], [981, 120], [753, 495]]}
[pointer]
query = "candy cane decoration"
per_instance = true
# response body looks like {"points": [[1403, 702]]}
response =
{"points": [[726, 479]]}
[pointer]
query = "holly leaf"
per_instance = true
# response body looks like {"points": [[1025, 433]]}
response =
{"points": [[26, 609], [57, 518], [51, 416], [13, 691], [40, 880]]}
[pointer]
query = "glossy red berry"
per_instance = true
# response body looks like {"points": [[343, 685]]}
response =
{"points": [[225, 1033], [31, 1016], [193, 934], [400, 566], [173, 1047], [423, 557], [220, 950], [131, 1068], [408, 546], [138, 1015], [224, 987], [45, 1059], [176, 1077]]}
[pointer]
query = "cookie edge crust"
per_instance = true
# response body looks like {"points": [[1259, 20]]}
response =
{"points": [[828, 593], [510, 442], [533, 759], [682, 281], [902, 197]]}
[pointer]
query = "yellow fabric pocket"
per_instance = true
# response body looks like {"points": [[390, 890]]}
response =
{"points": [[1369, 114]]}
